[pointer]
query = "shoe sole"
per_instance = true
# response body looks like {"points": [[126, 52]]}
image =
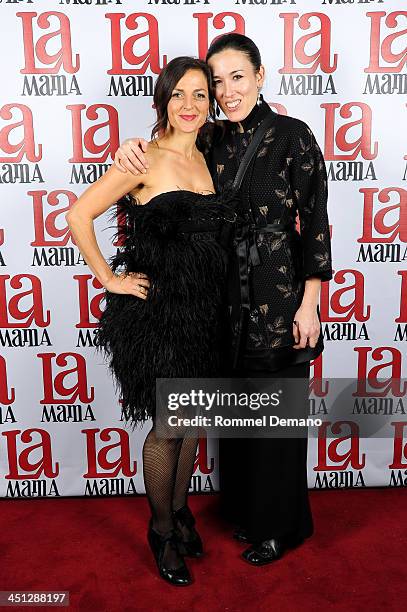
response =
{"points": [[260, 564]]}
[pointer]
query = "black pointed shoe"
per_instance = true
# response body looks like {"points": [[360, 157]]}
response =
{"points": [[240, 534], [190, 543], [179, 576], [264, 552]]}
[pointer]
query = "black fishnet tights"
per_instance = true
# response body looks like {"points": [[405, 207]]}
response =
{"points": [[168, 464]]}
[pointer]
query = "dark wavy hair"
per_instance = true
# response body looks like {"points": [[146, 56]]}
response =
{"points": [[237, 42], [166, 82]]}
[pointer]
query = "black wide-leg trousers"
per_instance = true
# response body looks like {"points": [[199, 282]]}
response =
{"points": [[263, 481]]}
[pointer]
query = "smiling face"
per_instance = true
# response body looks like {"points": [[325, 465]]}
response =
{"points": [[189, 104], [236, 83]]}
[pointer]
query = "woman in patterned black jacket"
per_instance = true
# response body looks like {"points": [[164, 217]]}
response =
{"points": [[275, 281]]}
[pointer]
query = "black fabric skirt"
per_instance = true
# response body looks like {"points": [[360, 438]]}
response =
{"points": [[263, 481]]}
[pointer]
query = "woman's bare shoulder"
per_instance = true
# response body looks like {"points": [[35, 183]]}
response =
{"points": [[155, 156], [153, 150], [151, 180]]}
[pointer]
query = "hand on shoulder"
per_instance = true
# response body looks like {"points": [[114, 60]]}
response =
{"points": [[130, 156]]}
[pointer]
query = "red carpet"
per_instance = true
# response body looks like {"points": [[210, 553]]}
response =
{"points": [[96, 549]]}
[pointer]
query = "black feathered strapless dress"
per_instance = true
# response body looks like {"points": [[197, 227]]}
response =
{"points": [[179, 239]]}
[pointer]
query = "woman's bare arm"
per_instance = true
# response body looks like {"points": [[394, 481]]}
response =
{"points": [[91, 204]]}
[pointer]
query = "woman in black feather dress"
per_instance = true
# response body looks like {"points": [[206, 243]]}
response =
{"points": [[163, 292]]}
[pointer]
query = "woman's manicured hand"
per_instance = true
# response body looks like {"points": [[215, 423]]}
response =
{"points": [[133, 283], [307, 327], [130, 156]]}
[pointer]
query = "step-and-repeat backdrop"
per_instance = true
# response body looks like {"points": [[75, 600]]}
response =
{"points": [[77, 78]]}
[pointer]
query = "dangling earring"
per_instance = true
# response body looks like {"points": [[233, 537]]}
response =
{"points": [[259, 98], [217, 109]]}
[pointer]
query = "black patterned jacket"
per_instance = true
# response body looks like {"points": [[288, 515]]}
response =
{"points": [[287, 177]]}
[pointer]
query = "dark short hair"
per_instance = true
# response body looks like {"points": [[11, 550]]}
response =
{"points": [[238, 42], [166, 82]]}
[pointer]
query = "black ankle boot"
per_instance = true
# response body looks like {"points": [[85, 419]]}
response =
{"points": [[179, 576], [191, 543], [264, 552]]}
